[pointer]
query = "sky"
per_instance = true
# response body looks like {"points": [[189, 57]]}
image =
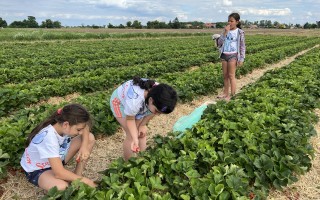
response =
{"points": [[116, 12]]}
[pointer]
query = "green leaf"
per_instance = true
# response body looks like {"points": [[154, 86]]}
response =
{"points": [[219, 188], [185, 197], [224, 195], [193, 174]]}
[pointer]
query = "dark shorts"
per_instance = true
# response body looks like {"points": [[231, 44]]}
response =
{"points": [[228, 57], [33, 177]]}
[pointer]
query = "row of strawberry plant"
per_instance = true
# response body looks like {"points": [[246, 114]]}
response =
{"points": [[48, 52], [27, 62], [239, 150], [188, 84], [17, 96], [81, 66], [69, 34]]}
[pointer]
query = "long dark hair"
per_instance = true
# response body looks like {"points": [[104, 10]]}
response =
{"points": [[72, 113], [236, 16], [164, 96], [146, 84]]}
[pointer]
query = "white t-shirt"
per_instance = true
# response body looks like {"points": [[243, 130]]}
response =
{"points": [[46, 144], [132, 98], [230, 43]]}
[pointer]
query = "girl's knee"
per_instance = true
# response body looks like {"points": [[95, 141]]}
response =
{"points": [[62, 185], [92, 139]]}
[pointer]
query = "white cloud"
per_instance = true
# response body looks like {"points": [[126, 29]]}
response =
{"points": [[266, 12], [116, 3], [227, 3]]}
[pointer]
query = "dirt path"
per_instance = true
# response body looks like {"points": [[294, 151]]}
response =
{"points": [[110, 148]]}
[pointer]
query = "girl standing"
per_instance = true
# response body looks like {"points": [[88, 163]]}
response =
{"points": [[53, 143], [134, 104], [232, 49]]}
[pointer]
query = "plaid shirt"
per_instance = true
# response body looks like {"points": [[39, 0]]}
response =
{"points": [[241, 45]]}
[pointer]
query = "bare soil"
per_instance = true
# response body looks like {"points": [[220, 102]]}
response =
{"points": [[108, 149]]}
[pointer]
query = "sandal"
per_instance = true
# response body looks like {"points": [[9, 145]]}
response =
{"points": [[221, 96]]}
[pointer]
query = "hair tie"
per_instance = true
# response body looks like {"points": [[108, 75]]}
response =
{"points": [[59, 111], [164, 109]]}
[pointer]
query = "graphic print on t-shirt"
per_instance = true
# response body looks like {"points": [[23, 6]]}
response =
{"points": [[230, 45], [131, 93], [39, 137]]}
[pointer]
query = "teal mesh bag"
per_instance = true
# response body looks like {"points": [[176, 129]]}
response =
{"points": [[188, 121]]}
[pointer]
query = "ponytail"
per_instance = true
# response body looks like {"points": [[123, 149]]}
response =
{"points": [[72, 113], [145, 84]]}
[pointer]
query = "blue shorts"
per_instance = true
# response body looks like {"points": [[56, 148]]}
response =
{"points": [[33, 177]]}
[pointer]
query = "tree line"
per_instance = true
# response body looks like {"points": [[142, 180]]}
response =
{"points": [[174, 24], [31, 23]]}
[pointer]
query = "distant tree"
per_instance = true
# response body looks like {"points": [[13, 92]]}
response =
{"points": [[31, 22], [221, 24], [3, 23], [153, 24], [121, 26], [269, 24], [307, 26], [297, 26], [170, 24], [110, 26], [47, 24], [17, 24], [195, 24], [156, 25], [57, 24], [163, 25], [129, 24], [246, 23], [95, 26], [262, 24], [176, 24], [276, 24], [314, 25], [318, 24], [136, 24]]}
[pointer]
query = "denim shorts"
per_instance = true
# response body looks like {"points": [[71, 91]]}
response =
{"points": [[228, 57], [33, 177]]}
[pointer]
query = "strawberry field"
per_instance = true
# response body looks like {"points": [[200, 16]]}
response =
{"points": [[239, 150]]}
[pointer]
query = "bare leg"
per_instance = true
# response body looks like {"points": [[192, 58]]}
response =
{"points": [[127, 151], [225, 79], [47, 180], [74, 148], [142, 139], [232, 65]]}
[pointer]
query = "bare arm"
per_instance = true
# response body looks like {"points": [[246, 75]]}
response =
{"points": [[84, 151], [132, 127], [146, 119], [61, 173]]}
